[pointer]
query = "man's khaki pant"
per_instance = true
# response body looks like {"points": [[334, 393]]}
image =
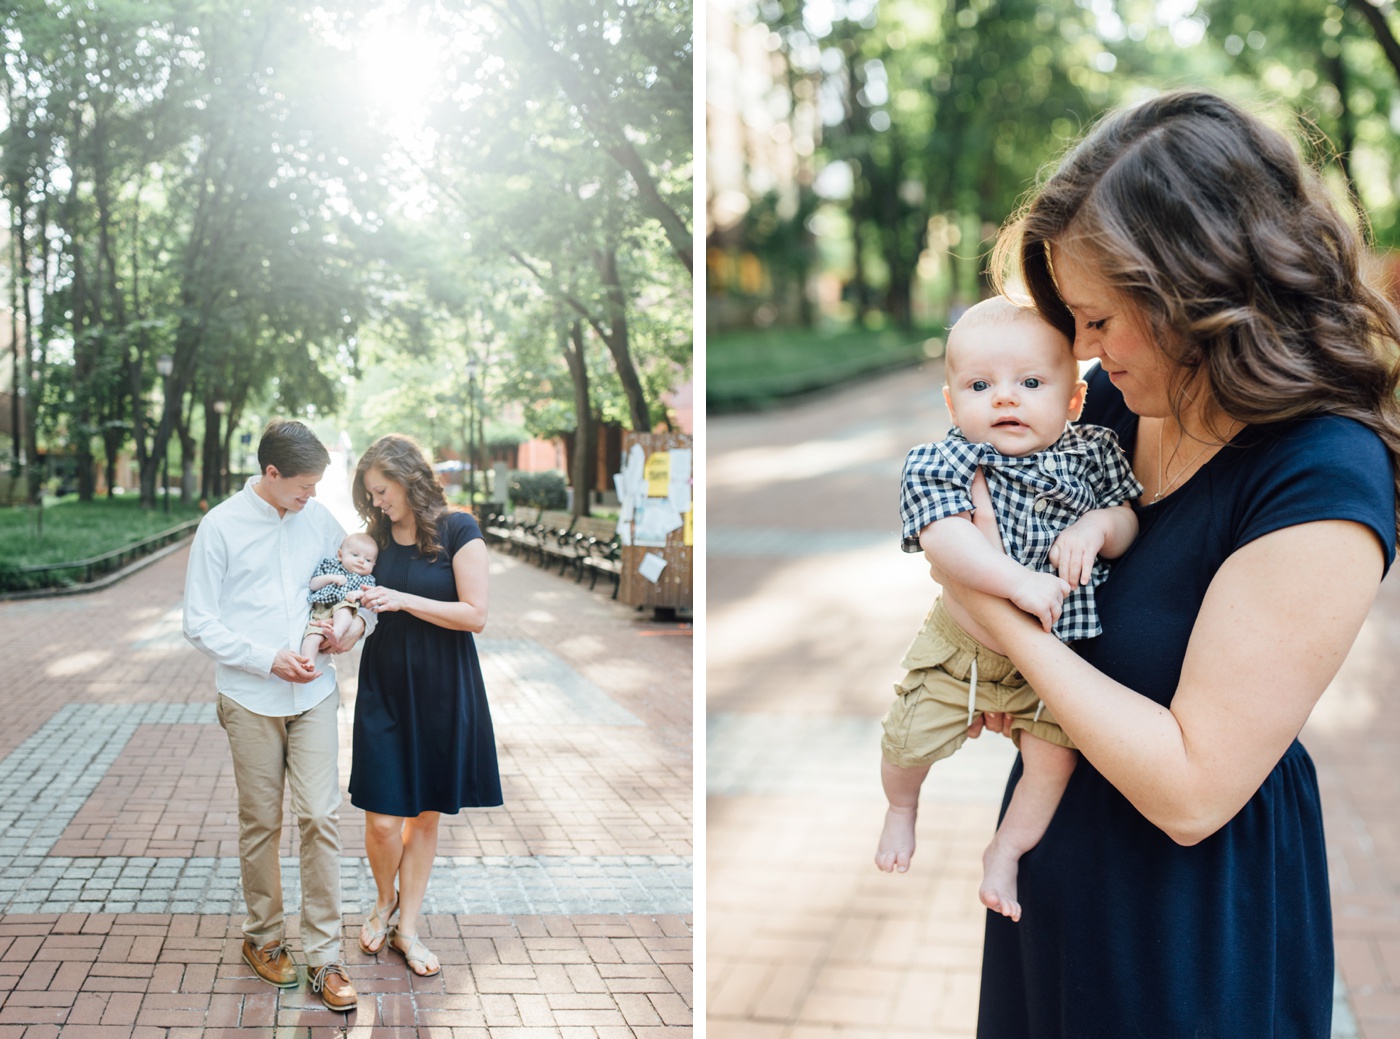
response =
{"points": [[269, 753]]}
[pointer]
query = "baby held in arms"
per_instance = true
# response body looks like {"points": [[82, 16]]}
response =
{"points": [[336, 588], [1060, 496]]}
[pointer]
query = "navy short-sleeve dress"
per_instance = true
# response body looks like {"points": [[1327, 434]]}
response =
{"points": [[423, 739], [1124, 933]]}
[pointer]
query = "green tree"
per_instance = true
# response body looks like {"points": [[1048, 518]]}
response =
{"points": [[571, 163]]}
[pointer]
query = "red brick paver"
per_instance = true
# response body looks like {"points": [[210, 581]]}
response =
{"points": [[575, 792], [809, 607]]}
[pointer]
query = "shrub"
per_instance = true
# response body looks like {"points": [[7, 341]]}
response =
{"points": [[547, 490], [13, 579]]}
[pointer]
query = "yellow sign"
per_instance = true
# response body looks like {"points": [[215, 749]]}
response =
{"points": [[688, 533], [658, 474]]}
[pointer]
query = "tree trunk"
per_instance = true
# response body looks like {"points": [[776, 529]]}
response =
{"points": [[36, 371], [581, 470], [1346, 125], [1377, 21], [80, 433], [16, 435], [188, 447], [209, 454], [616, 339], [225, 451]]}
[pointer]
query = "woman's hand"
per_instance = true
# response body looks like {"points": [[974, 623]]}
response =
{"points": [[383, 600]]}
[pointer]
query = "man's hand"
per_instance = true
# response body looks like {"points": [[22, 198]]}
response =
{"points": [[1075, 550], [1041, 595], [293, 667], [347, 641]]}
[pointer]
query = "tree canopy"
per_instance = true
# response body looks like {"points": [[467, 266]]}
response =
{"points": [[915, 128], [221, 213]]}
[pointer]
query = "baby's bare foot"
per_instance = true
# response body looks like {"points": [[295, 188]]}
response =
{"points": [[998, 891], [897, 840]]}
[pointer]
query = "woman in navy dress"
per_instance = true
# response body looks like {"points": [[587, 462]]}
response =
{"points": [[423, 740], [1181, 889]]}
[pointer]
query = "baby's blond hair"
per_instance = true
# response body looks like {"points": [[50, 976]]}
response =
{"points": [[362, 539], [999, 310]]}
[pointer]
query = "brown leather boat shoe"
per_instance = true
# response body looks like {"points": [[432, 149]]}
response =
{"points": [[333, 984], [273, 963]]}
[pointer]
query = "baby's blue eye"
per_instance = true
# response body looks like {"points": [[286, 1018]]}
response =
{"points": [[980, 384], [1031, 383]]}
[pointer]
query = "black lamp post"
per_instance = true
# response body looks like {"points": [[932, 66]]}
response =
{"points": [[472, 369], [220, 480], [165, 364]]}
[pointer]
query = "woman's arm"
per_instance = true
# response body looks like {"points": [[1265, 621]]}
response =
{"points": [[1276, 623], [470, 569]]}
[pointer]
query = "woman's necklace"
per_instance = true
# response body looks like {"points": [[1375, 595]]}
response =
{"points": [[1164, 485]]}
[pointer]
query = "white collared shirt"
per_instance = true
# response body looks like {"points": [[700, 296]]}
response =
{"points": [[246, 597]]}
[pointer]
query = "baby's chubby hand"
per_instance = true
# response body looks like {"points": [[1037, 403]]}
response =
{"points": [[1042, 595], [1074, 552]]}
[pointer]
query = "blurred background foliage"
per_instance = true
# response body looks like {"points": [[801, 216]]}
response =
{"points": [[863, 153]]}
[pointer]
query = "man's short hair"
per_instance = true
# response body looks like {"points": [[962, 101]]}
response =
{"points": [[292, 448]]}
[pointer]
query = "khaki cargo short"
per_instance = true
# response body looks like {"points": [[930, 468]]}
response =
{"points": [[929, 718], [324, 611]]}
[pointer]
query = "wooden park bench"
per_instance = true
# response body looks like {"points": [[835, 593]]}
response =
{"points": [[502, 526], [603, 556], [572, 546], [544, 533], [489, 516]]}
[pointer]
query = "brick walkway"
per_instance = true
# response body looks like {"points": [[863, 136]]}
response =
{"points": [[564, 914], [809, 607]]}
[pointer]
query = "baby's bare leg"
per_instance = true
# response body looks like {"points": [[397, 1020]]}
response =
{"points": [[1046, 771], [311, 645], [902, 785], [340, 623]]}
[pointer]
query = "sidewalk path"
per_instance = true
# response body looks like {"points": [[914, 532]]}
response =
{"points": [[810, 604], [566, 913]]}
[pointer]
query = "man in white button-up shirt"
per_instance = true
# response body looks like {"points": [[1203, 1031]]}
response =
{"points": [[246, 606]]}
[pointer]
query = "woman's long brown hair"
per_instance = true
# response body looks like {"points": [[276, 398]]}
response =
{"points": [[1209, 224], [401, 461]]}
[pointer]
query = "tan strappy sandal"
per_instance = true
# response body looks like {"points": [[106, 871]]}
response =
{"points": [[376, 927], [415, 952]]}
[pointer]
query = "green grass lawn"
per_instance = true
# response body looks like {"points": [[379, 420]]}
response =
{"points": [[754, 368], [73, 530]]}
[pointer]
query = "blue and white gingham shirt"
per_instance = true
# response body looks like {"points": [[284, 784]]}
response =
{"points": [[335, 592], [1035, 497]]}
